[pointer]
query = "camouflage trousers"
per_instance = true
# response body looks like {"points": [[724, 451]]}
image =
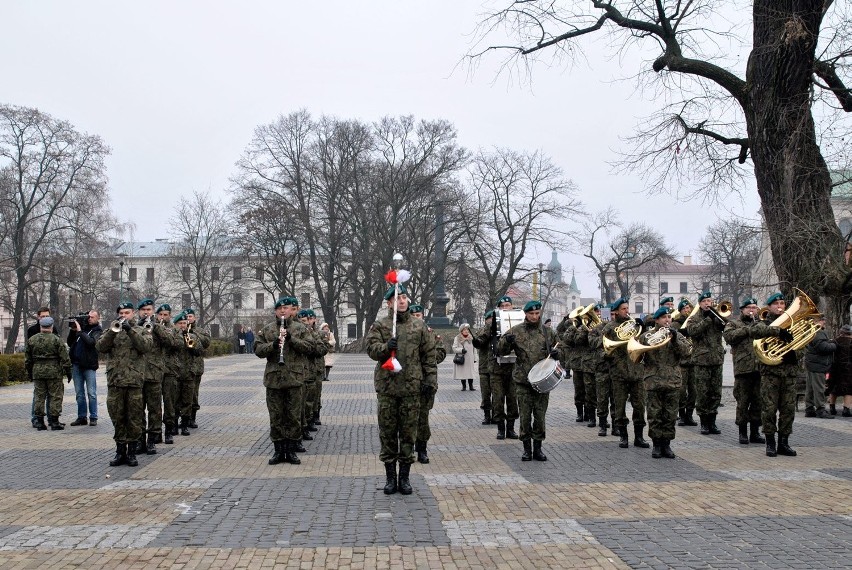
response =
{"points": [[533, 407], [170, 400], [815, 390], [308, 402], [398, 427], [426, 405], [662, 412], [778, 397], [591, 389], [125, 407], [485, 390], [634, 391], [708, 389], [185, 387], [504, 399], [285, 407], [152, 402], [196, 385], [318, 401], [747, 395], [54, 390], [687, 388], [603, 389], [579, 388]]}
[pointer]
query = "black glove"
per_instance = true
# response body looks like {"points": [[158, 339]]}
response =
{"points": [[464, 351], [554, 354], [392, 343], [785, 336], [126, 325], [510, 339], [476, 343], [639, 322], [706, 314], [70, 377], [276, 344], [426, 390], [682, 330]]}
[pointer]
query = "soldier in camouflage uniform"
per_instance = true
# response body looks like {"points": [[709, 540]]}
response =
{"points": [[196, 368], [285, 380], [705, 332], [661, 372], [589, 358], [172, 345], [603, 380], [485, 369], [323, 347], [737, 334], [46, 360], [399, 393], [152, 389], [532, 343], [687, 370], [566, 331], [125, 370], [186, 382], [427, 396], [504, 400], [314, 373], [626, 380], [777, 383]]}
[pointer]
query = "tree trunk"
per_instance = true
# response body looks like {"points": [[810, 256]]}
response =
{"points": [[792, 177]]}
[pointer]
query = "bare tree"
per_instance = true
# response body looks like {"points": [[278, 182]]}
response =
{"points": [[732, 247], [592, 241], [48, 168], [722, 121]]}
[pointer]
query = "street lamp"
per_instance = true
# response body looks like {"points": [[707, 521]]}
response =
{"points": [[540, 270], [121, 257]]}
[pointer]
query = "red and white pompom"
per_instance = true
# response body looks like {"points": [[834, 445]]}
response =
{"points": [[392, 364], [397, 276]]}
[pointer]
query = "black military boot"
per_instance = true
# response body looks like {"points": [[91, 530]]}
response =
{"points": [[810, 412], [681, 415], [510, 430], [638, 439], [712, 427], [688, 420], [290, 453], [624, 442], [592, 415], [53, 421], [705, 428], [278, 454], [464, 386], [657, 451], [150, 448], [847, 413], [192, 423], [470, 385], [744, 433], [784, 446], [537, 453], [390, 478], [306, 435], [527, 456], [832, 409], [604, 425], [501, 429], [770, 445], [131, 456], [297, 446], [667, 449], [184, 425], [580, 413], [120, 455], [420, 448], [317, 421], [404, 484], [487, 417], [755, 433], [167, 437], [311, 426]]}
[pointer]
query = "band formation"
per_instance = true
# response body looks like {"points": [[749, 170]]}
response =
{"points": [[668, 366]]}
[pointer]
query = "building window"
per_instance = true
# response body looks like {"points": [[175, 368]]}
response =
{"points": [[683, 287], [186, 298], [149, 275], [214, 273], [258, 273], [185, 273], [705, 286], [640, 307], [306, 300], [351, 298], [351, 330], [131, 274], [214, 301], [238, 300], [214, 331], [116, 273], [306, 272], [640, 287], [664, 287], [238, 273], [258, 301]]}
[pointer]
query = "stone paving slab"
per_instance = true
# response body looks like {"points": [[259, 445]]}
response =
{"points": [[211, 499]]}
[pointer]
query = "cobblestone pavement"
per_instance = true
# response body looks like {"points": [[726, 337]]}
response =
{"points": [[212, 501]]}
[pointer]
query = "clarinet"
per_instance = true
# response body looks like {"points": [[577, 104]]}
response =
{"points": [[282, 336]]}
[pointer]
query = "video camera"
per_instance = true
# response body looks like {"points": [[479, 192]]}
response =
{"points": [[82, 318]]}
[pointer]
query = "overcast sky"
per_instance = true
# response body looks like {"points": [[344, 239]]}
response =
{"points": [[177, 88]]}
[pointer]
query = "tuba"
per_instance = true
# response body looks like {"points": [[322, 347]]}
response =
{"points": [[798, 319], [653, 341], [625, 331]]}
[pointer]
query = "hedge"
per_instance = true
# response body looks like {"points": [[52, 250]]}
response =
{"points": [[219, 348], [15, 369]]}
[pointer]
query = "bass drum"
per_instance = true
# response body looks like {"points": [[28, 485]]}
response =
{"points": [[546, 375]]}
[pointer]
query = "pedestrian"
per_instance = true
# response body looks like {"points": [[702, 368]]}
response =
{"points": [[840, 377], [249, 341], [330, 356], [47, 361], [466, 359], [241, 340], [819, 355], [82, 336]]}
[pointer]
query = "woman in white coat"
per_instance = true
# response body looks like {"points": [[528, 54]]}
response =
{"points": [[463, 345], [330, 357]]}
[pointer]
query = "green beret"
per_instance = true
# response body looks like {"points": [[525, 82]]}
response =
{"points": [[532, 306], [748, 301], [600, 305], [488, 314], [660, 312], [303, 313], [164, 307], [665, 300], [181, 316], [705, 295], [390, 292], [415, 309], [683, 302], [291, 301], [189, 311], [618, 302], [774, 297], [311, 313], [282, 301], [125, 305], [504, 299], [145, 303]]}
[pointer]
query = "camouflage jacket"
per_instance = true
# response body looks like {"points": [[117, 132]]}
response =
{"points": [[415, 353], [201, 346], [677, 323], [706, 336], [484, 349], [533, 343], [172, 348], [440, 349], [738, 336], [790, 363], [486, 337], [661, 366], [46, 357], [317, 360], [567, 341], [620, 366], [299, 349], [124, 350]]}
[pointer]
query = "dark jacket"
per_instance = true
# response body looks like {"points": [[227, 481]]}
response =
{"points": [[83, 352], [819, 354], [35, 329]]}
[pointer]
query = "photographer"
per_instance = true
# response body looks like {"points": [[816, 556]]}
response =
{"points": [[85, 329]]}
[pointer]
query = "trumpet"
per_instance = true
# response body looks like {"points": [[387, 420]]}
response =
{"points": [[116, 325], [282, 336], [148, 324], [190, 342]]}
